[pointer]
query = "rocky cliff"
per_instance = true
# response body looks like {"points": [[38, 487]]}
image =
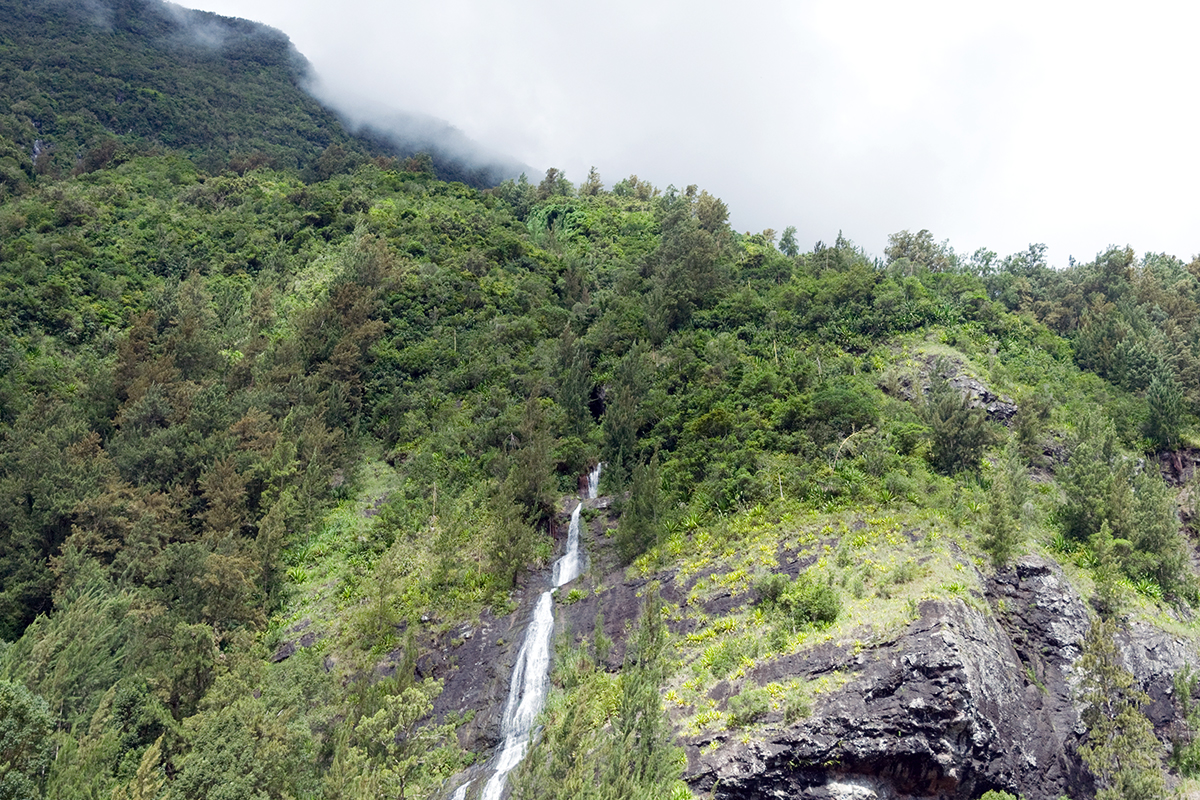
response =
{"points": [[975, 694], [972, 696]]}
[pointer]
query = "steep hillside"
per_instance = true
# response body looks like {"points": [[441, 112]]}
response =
{"points": [[288, 447], [90, 83]]}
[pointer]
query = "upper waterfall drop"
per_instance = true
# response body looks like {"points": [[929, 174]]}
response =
{"points": [[593, 486], [566, 569]]}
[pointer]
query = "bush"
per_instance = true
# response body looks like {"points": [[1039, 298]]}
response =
{"points": [[796, 704], [748, 707], [725, 656], [811, 602], [771, 587], [804, 601]]}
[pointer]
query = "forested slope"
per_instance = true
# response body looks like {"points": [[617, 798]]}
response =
{"points": [[277, 434], [87, 84]]}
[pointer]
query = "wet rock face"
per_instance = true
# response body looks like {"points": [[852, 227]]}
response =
{"points": [[966, 699], [475, 662], [944, 711]]}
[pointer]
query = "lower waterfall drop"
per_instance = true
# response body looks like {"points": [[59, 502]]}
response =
{"points": [[531, 673]]}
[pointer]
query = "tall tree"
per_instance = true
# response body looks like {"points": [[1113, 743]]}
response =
{"points": [[623, 415], [24, 742], [959, 429], [787, 242], [641, 522], [1165, 400], [642, 761], [1120, 748], [1086, 478]]}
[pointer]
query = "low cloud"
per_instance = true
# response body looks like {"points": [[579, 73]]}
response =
{"points": [[991, 126], [458, 156]]}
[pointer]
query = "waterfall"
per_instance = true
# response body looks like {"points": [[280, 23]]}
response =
{"points": [[566, 569], [531, 673], [594, 482]]}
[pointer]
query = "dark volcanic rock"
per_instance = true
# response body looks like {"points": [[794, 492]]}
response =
{"points": [[287, 648], [621, 605], [972, 695], [961, 702], [998, 407], [944, 711], [1155, 657], [475, 663]]}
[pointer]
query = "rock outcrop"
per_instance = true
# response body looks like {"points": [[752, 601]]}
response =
{"points": [[976, 693], [998, 407], [970, 697]]}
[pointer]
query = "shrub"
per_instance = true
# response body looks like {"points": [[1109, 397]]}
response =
{"points": [[771, 587], [725, 656], [811, 602], [959, 431], [796, 704], [804, 601], [748, 707]]}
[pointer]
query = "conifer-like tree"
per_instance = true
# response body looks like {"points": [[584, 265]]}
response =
{"points": [[530, 476], [1165, 400], [1087, 478], [1001, 532], [399, 752], [575, 382], [641, 524], [1120, 749], [642, 761], [623, 416], [959, 430], [1106, 573]]}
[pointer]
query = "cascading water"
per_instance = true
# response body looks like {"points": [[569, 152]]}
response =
{"points": [[531, 674]]}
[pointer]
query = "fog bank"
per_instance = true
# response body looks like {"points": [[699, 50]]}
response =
{"points": [[992, 126]]}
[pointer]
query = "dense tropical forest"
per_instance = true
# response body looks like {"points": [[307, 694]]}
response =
{"points": [[280, 413]]}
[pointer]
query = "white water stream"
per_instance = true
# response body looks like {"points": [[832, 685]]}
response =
{"points": [[531, 673]]}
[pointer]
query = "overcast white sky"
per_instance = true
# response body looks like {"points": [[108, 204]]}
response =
{"points": [[993, 125]]}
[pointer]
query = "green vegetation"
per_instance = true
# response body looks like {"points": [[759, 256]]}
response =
{"points": [[633, 756], [1121, 749], [271, 425], [1185, 747], [801, 602], [25, 725]]}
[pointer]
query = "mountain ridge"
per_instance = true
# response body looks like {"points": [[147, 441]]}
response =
{"points": [[94, 77]]}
